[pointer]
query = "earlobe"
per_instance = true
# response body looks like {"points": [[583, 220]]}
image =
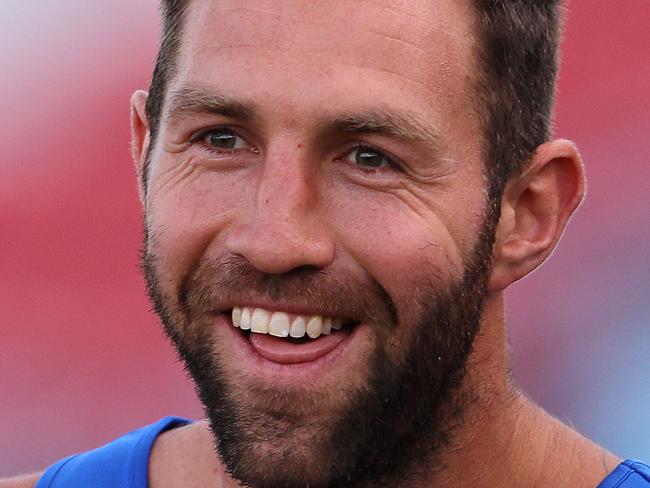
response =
{"points": [[535, 209], [140, 136]]}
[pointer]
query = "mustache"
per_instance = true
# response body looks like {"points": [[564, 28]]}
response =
{"points": [[212, 286]]}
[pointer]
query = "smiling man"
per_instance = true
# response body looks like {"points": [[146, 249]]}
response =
{"points": [[337, 194]]}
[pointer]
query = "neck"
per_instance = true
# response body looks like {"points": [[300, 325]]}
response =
{"points": [[504, 439], [500, 439]]}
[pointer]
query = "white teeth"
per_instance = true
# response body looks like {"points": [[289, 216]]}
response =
{"points": [[298, 328], [314, 327], [236, 316], [279, 324], [260, 321], [245, 319], [327, 326]]}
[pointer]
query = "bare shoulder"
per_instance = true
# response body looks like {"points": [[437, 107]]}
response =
{"points": [[184, 457], [26, 481]]}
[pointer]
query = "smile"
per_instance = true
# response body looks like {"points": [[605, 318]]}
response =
{"points": [[283, 324], [290, 339]]}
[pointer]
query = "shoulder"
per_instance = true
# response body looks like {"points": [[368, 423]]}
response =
{"points": [[27, 481], [183, 455]]}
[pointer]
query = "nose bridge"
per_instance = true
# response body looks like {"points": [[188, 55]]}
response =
{"points": [[285, 191], [284, 230]]}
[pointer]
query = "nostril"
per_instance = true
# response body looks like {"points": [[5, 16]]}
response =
{"points": [[278, 245]]}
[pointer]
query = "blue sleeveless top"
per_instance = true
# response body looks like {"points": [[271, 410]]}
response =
{"points": [[124, 463]]}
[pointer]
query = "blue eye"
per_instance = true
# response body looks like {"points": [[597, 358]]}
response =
{"points": [[370, 158], [223, 139]]}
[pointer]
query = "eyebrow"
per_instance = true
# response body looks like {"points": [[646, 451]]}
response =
{"points": [[403, 124], [193, 101]]}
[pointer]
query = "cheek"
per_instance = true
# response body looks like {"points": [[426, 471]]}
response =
{"points": [[399, 247], [186, 215]]}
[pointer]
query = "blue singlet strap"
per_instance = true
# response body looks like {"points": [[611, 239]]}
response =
{"points": [[628, 474]]}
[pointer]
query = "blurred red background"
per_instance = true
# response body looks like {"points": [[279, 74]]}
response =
{"points": [[82, 358]]}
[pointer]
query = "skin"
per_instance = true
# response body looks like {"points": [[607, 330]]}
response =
{"points": [[292, 195]]}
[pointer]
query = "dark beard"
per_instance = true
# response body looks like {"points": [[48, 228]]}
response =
{"points": [[391, 429]]}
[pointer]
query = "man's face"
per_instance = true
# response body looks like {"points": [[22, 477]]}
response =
{"points": [[321, 159]]}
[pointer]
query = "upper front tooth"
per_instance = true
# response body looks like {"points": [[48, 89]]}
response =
{"points": [[327, 326], [260, 321], [236, 316], [314, 326], [245, 322], [279, 324], [298, 327]]}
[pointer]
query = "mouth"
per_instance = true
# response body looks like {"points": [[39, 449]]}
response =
{"points": [[290, 339]]}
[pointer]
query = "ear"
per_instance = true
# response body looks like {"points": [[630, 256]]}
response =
{"points": [[535, 209], [140, 137]]}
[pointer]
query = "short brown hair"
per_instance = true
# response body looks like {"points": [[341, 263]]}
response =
{"points": [[517, 57], [517, 46]]}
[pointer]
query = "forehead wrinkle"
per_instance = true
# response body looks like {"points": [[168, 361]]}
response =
{"points": [[316, 20], [192, 100], [276, 14], [322, 23], [396, 39]]}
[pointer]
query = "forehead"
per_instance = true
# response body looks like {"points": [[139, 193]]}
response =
{"points": [[329, 53]]}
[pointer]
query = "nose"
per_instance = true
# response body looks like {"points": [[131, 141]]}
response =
{"points": [[285, 230]]}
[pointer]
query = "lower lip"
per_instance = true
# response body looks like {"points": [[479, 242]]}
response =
{"points": [[266, 354], [283, 351]]}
